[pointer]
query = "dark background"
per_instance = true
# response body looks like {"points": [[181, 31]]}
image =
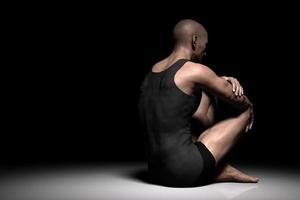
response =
{"points": [[72, 96]]}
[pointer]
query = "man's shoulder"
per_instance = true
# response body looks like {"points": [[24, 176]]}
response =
{"points": [[198, 73], [197, 68]]}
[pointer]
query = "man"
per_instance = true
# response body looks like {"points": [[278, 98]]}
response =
{"points": [[178, 89]]}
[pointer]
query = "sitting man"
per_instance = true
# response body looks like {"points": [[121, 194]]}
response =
{"points": [[178, 89]]}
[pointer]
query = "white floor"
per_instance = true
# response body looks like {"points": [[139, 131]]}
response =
{"points": [[119, 181]]}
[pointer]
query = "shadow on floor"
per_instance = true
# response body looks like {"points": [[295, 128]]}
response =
{"points": [[142, 175]]}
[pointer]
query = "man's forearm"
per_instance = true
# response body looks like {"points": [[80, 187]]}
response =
{"points": [[241, 103], [237, 99]]}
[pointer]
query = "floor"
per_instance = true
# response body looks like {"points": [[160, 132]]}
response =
{"points": [[126, 181]]}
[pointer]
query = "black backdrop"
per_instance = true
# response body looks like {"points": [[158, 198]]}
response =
{"points": [[74, 94]]}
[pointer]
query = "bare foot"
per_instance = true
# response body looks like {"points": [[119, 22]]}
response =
{"points": [[231, 174]]}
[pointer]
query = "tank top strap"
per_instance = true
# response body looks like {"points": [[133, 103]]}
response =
{"points": [[176, 66]]}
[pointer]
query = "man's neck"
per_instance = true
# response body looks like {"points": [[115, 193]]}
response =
{"points": [[181, 52]]}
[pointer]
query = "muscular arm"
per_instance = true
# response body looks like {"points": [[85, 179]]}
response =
{"points": [[205, 113], [217, 86]]}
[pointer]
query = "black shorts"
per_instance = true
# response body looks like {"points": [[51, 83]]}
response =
{"points": [[208, 165]]}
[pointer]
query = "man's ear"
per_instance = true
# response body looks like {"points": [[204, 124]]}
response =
{"points": [[194, 39]]}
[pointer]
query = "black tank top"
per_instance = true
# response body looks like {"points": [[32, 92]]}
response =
{"points": [[166, 114]]}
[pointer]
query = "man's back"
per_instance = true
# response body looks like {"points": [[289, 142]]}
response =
{"points": [[166, 113]]}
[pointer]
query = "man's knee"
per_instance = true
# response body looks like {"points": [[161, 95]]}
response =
{"points": [[246, 115]]}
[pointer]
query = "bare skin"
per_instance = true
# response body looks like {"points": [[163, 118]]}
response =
{"points": [[205, 115], [190, 41], [231, 174]]}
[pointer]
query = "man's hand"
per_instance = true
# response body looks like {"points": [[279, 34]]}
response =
{"points": [[250, 124], [237, 89]]}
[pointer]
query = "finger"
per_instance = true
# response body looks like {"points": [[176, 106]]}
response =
{"points": [[251, 125], [252, 121], [247, 128], [237, 87], [242, 91], [233, 85], [240, 88]]}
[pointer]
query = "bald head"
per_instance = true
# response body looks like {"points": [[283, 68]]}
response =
{"points": [[191, 37], [184, 31]]}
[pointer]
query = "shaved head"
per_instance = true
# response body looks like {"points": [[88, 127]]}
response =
{"points": [[190, 36], [184, 31]]}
